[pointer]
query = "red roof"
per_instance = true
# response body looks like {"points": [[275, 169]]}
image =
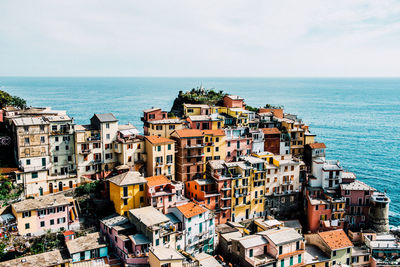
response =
{"points": [[191, 209], [317, 145], [157, 180], [189, 133], [8, 170], [69, 232], [336, 239], [218, 132], [158, 140], [271, 131]]}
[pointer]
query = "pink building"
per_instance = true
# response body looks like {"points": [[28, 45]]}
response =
{"points": [[357, 195], [163, 193], [120, 235], [200, 122], [238, 143]]}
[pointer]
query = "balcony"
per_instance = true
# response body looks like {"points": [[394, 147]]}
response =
{"points": [[159, 164], [94, 138], [226, 198], [85, 151], [194, 146], [226, 188], [36, 168], [195, 155]]}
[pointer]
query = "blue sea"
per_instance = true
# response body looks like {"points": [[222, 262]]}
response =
{"points": [[358, 119]]}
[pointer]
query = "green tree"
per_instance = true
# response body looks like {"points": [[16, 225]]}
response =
{"points": [[18, 102], [5, 98]]}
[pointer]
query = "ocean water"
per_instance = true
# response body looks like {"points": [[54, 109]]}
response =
{"points": [[358, 119]]}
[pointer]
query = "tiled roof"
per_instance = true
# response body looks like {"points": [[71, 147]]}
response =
{"points": [[27, 121], [271, 131], [84, 243], [218, 132], [282, 235], [106, 117], [128, 178], [158, 140], [40, 203], [52, 258], [189, 133], [164, 254], [357, 185], [151, 109], [336, 239], [317, 145], [191, 209], [157, 180], [8, 170]]}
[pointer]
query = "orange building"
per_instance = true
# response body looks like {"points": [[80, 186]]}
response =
{"points": [[233, 101]]}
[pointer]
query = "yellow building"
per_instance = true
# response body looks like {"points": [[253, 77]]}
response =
{"points": [[163, 256], [127, 191], [296, 135], [196, 109], [215, 144], [160, 156], [165, 127], [241, 201]]}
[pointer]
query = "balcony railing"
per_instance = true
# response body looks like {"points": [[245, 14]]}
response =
{"points": [[85, 151]]}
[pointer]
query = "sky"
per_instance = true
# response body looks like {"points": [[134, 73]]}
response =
{"points": [[253, 38]]}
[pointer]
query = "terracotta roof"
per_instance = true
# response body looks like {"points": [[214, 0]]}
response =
{"points": [[218, 132], [189, 133], [191, 209], [271, 131], [336, 239], [158, 140], [157, 180], [317, 145], [69, 232]]}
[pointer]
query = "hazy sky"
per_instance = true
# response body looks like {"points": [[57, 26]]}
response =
{"points": [[200, 38]]}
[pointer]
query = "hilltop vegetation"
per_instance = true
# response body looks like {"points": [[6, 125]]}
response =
{"points": [[197, 95], [8, 100]]}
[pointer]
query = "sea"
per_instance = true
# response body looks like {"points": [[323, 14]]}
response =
{"points": [[357, 118]]}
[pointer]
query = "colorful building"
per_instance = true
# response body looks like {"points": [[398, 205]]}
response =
{"points": [[164, 127], [358, 196], [233, 101], [238, 143], [127, 191], [335, 244], [51, 212], [160, 156], [272, 140], [196, 109], [162, 256], [190, 154], [163, 193], [214, 145], [87, 248], [197, 224]]}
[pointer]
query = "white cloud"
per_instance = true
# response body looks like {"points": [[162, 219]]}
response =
{"points": [[200, 38]]}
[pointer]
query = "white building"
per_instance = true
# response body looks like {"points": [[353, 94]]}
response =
{"points": [[198, 227], [62, 173], [326, 173], [258, 141]]}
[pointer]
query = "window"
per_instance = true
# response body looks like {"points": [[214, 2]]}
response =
{"points": [[141, 199], [26, 140], [41, 127], [57, 148], [55, 159], [107, 136], [42, 224], [299, 258], [125, 191], [34, 175], [251, 252], [216, 149], [291, 261], [141, 187], [171, 127], [158, 148], [27, 226], [52, 222], [42, 140], [26, 128], [280, 250], [334, 253], [125, 202], [28, 162], [107, 125], [26, 214], [61, 220], [169, 146], [157, 242], [348, 250], [229, 143], [283, 263]]}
